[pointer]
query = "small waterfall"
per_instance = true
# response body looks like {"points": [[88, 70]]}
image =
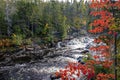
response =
{"points": [[59, 45]]}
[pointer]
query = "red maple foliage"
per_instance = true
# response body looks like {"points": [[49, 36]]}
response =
{"points": [[76, 69], [102, 76], [104, 22]]}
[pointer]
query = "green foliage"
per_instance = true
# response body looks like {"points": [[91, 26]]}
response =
{"points": [[17, 29], [17, 39], [22, 29], [118, 67], [50, 20], [118, 61], [3, 26], [27, 41], [64, 28], [101, 69]]}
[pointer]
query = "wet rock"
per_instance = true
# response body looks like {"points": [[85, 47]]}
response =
{"points": [[2, 56], [29, 49], [21, 59], [85, 51], [4, 75], [79, 59], [54, 77]]}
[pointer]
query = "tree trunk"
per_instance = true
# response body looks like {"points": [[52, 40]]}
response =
{"points": [[8, 20]]}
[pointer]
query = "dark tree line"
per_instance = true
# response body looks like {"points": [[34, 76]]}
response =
{"points": [[49, 21]]}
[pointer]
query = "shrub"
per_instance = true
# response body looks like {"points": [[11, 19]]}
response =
{"points": [[17, 39], [27, 41]]}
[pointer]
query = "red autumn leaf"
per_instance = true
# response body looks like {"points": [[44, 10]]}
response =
{"points": [[96, 56]]}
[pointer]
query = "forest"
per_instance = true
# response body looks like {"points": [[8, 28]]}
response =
{"points": [[49, 21], [59, 40]]}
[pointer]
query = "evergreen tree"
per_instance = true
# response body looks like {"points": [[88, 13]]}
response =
{"points": [[3, 27]]}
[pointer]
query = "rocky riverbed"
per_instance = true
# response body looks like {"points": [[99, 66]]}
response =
{"points": [[37, 64]]}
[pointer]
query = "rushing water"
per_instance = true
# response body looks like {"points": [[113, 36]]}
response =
{"points": [[42, 69]]}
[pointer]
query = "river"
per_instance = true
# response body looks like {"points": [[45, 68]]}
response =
{"points": [[54, 60]]}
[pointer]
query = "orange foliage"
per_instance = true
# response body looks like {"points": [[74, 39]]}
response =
{"points": [[102, 76], [91, 62], [5, 43], [97, 40], [107, 63], [104, 22], [96, 57], [100, 48], [105, 17], [76, 69]]}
